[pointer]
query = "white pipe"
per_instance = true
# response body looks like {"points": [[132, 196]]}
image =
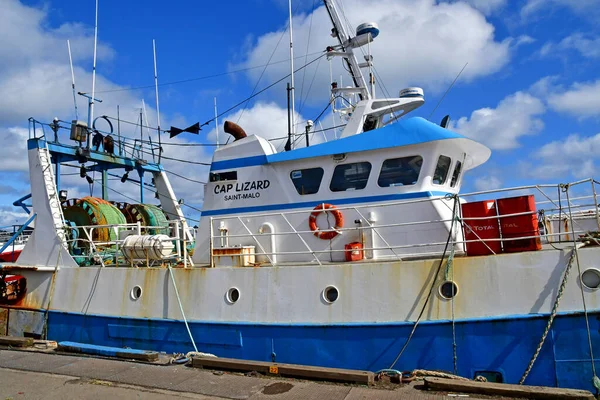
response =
{"points": [[271, 232]]}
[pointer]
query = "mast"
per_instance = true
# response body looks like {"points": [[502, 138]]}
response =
{"points": [[216, 122], [91, 106], [292, 117], [344, 39], [73, 80], [157, 106]]}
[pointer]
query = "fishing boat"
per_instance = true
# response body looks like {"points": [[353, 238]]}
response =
{"points": [[360, 252]]}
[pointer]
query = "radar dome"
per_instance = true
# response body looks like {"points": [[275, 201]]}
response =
{"points": [[368, 27]]}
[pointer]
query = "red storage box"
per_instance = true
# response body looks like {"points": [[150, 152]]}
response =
{"points": [[481, 229], [519, 225], [354, 251]]}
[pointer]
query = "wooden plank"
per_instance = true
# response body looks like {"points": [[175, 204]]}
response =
{"points": [[131, 354], [502, 389], [14, 341], [289, 370]]}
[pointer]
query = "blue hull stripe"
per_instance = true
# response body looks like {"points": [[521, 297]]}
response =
{"points": [[502, 346], [310, 204]]}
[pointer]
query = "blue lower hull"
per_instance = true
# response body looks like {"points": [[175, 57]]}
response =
{"points": [[502, 347]]}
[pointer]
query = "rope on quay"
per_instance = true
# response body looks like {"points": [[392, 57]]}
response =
{"points": [[183, 360]]}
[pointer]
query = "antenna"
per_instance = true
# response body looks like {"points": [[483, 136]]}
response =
{"points": [[73, 80], [119, 131], [157, 106], [91, 105], [292, 122], [148, 130], [217, 122]]}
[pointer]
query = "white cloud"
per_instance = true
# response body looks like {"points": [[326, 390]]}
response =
{"points": [[12, 216], [270, 121], [587, 46], [501, 127], [487, 6], [581, 100], [35, 80], [27, 39], [583, 7], [487, 182], [422, 43], [575, 156], [13, 148]]}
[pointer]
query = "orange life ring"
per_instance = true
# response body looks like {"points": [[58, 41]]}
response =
{"points": [[327, 234]]}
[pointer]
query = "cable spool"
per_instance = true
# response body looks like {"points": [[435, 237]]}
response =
{"points": [[93, 211], [146, 215]]}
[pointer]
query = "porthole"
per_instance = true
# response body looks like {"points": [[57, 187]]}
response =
{"points": [[232, 295], [448, 290], [591, 278], [330, 294], [136, 292]]}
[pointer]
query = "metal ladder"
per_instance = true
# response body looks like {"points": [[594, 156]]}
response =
{"points": [[52, 193]]}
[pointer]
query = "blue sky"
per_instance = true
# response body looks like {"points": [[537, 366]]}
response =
{"points": [[530, 91]]}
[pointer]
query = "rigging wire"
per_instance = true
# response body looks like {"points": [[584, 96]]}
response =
{"points": [[322, 54], [316, 131], [306, 56], [263, 72], [201, 77], [309, 87], [140, 150], [447, 90], [263, 90], [164, 211]]}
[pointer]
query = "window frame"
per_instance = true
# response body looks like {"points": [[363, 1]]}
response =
{"points": [[450, 165], [222, 176], [305, 169], [458, 164], [351, 189], [396, 158]]}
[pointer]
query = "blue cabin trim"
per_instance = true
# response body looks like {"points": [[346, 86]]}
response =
{"points": [[309, 204], [410, 131]]}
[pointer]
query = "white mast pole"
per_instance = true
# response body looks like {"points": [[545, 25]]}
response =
{"points": [[292, 117], [72, 80], [91, 113], [157, 105], [217, 122]]}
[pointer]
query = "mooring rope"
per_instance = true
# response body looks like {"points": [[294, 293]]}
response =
{"points": [[435, 279], [181, 308]]}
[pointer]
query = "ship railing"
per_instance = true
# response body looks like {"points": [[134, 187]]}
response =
{"points": [[454, 239], [97, 250], [547, 207], [124, 146]]}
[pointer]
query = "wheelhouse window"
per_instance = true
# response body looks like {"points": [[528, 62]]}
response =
{"points": [[402, 171], [441, 170], [456, 174], [307, 181], [352, 176], [223, 176]]}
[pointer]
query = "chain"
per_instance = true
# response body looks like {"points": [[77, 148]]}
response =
{"points": [[561, 290]]}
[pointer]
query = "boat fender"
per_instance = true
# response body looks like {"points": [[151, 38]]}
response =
{"points": [[326, 234]]}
